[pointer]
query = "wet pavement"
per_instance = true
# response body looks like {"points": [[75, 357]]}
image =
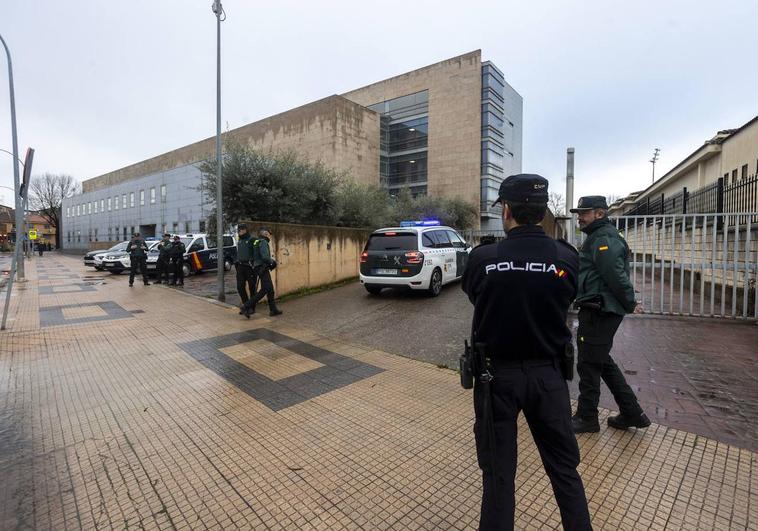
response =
{"points": [[700, 375], [144, 407]]}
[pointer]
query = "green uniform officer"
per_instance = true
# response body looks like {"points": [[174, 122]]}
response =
{"points": [[604, 296], [246, 276], [263, 263]]}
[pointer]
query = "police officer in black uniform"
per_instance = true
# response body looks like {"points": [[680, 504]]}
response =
{"points": [[246, 276], [521, 289], [605, 295], [164, 259], [177, 261], [137, 249]]}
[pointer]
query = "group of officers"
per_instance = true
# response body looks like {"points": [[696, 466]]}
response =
{"points": [[521, 352], [254, 263], [170, 259]]}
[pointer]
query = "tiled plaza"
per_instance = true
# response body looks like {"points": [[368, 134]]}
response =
{"points": [[144, 407]]}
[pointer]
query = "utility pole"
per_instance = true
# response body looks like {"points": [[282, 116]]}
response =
{"points": [[654, 160], [16, 178], [218, 10], [570, 194]]}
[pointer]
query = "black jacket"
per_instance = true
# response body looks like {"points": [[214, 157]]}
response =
{"points": [[137, 248], [521, 289], [177, 251]]}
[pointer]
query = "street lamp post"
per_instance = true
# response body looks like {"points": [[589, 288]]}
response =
{"points": [[16, 178], [218, 10]]}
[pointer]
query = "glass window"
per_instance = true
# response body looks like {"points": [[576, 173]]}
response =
{"points": [[744, 172], [115, 202], [110, 234], [427, 241], [77, 210], [152, 195], [456, 240], [197, 245], [141, 198], [410, 134], [131, 199], [408, 170], [89, 207], [400, 241], [163, 194], [187, 227], [442, 239], [174, 227], [109, 204], [94, 205], [68, 211], [102, 205], [202, 226], [123, 201], [125, 237]]}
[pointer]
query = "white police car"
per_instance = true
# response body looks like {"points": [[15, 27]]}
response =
{"points": [[420, 255], [119, 261]]}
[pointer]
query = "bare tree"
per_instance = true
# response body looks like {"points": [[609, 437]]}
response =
{"points": [[556, 203], [47, 193]]}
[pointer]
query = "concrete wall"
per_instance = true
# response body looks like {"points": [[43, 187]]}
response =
{"points": [[455, 133], [334, 130], [740, 149], [311, 256]]}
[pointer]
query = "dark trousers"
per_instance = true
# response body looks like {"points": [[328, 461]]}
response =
{"points": [[267, 289], [164, 267], [246, 281], [539, 390], [178, 266], [595, 341], [138, 264]]}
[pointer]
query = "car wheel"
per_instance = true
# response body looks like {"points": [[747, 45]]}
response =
{"points": [[98, 268], [373, 290], [435, 283], [186, 269]]}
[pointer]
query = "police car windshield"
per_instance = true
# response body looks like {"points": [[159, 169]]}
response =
{"points": [[393, 241], [119, 247], [187, 242]]}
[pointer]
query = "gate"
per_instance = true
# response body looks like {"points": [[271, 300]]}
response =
{"points": [[694, 264]]}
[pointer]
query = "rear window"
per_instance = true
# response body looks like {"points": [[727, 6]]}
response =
{"points": [[400, 241]]}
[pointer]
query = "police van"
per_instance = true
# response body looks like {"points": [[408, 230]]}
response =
{"points": [[420, 255]]}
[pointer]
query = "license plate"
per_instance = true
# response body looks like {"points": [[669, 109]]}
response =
{"points": [[151, 266], [385, 271]]}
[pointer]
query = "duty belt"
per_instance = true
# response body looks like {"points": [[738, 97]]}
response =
{"points": [[525, 363]]}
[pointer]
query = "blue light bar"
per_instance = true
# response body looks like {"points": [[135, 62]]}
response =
{"points": [[424, 223]]}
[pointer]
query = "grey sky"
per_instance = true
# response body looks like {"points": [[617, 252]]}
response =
{"points": [[103, 84]]}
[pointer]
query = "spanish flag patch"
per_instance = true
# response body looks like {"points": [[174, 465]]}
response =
{"points": [[603, 248]]}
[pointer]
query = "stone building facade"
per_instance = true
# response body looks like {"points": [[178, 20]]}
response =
{"points": [[452, 129]]}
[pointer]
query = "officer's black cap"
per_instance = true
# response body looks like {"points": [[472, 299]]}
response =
{"points": [[167, 235], [241, 226], [177, 237], [590, 202], [523, 188]]}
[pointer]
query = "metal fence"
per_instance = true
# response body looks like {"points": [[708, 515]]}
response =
{"points": [[703, 264], [739, 197]]}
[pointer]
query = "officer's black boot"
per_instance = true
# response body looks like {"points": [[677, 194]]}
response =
{"points": [[623, 422], [585, 425], [274, 312]]}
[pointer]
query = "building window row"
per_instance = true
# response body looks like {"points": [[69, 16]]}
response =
{"points": [[114, 203]]}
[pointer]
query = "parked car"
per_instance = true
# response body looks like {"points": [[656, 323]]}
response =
{"points": [[118, 261], [416, 255], [95, 258], [201, 253]]}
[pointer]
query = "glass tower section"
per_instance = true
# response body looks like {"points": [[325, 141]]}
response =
{"points": [[404, 142]]}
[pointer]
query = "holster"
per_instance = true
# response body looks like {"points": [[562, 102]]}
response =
{"points": [[466, 366], [567, 361]]}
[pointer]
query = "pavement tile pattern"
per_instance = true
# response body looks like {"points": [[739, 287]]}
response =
{"points": [[115, 424]]}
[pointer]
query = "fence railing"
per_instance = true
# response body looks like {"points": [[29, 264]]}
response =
{"points": [[694, 264], [716, 198]]}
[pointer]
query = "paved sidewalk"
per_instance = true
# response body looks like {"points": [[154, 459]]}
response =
{"points": [[142, 407]]}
